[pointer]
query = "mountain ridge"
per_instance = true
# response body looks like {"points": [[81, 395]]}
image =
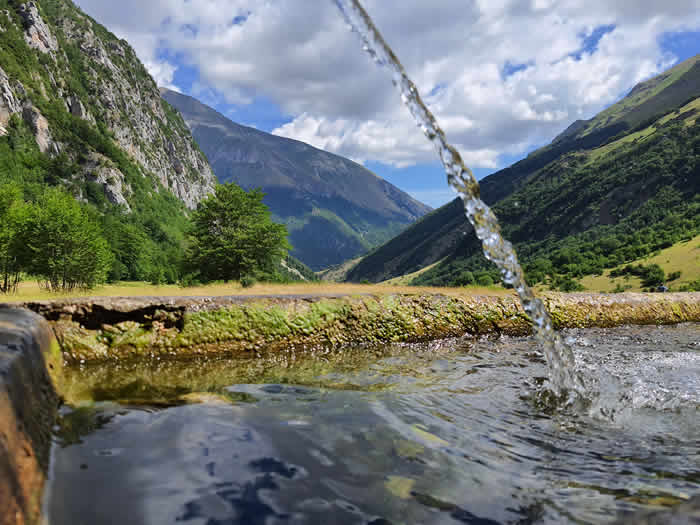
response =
{"points": [[80, 115], [659, 123], [74, 72]]}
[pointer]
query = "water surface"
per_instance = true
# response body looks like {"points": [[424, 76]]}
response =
{"points": [[451, 432]]}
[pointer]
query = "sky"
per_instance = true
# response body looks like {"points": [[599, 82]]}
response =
{"points": [[502, 76]]}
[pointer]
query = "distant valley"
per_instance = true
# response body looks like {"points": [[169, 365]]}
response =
{"points": [[334, 208]]}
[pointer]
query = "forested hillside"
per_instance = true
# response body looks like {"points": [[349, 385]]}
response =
{"points": [[606, 191]]}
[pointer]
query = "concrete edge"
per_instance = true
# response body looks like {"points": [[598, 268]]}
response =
{"points": [[28, 405]]}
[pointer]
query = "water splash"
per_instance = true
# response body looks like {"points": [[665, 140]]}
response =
{"points": [[562, 371]]}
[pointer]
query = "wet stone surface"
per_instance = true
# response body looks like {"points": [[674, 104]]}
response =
{"points": [[453, 432]]}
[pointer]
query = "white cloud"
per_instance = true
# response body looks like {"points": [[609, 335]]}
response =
{"points": [[162, 72], [300, 55]]}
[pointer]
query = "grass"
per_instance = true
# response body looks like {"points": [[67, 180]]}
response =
{"points": [[618, 110], [406, 279], [30, 291], [643, 134], [682, 257], [338, 272]]}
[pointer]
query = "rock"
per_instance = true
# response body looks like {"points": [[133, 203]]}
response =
{"points": [[9, 105], [37, 33], [172, 158], [28, 405], [40, 126], [188, 326], [117, 49], [77, 108], [118, 91], [99, 169], [177, 164]]}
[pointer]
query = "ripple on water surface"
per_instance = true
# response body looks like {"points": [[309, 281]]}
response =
{"points": [[444, 433]]}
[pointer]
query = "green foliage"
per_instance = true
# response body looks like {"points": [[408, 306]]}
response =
{"points": [[232, 235], [54, 238], [485, 280], [565, 283], [13, 216], [190, 280], [247, 281], [651, 275], [620, 289], [465, 278], [64, 245], [673, 276], [146, 244], [571, 221], [690, 287]]}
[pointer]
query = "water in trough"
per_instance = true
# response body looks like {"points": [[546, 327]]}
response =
{"points": [[446, 432]]}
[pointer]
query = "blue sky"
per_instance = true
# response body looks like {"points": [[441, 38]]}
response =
{"points": [[499, 92]]}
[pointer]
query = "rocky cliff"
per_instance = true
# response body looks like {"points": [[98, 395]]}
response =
{"points": [[85, 95]]}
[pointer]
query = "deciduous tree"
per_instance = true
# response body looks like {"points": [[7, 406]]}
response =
{"points": [[232, 236]]}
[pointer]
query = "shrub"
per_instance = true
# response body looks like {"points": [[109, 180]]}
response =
{"points": [[190, 280], [247, 281], [63, 245]]}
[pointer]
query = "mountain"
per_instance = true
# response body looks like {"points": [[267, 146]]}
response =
{"points": [[334, 208], [607, 190], [80, 114], [85, 94]]}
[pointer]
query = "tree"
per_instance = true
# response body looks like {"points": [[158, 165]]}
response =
{"points": [[64, 244], [13, 215], [232, 236]]}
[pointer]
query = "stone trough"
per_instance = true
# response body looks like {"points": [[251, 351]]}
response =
{"points": [[37, 338]]}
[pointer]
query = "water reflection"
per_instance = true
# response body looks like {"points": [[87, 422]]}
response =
{"points": [[456, 438]]}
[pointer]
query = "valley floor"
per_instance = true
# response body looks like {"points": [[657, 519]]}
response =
{"points": [[30, 291], [682, 257]]}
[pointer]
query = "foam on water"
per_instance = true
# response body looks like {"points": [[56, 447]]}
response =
{"points": [[563, 376]]}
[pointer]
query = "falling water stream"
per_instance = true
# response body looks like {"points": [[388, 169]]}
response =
{"points": [[563, 376]]}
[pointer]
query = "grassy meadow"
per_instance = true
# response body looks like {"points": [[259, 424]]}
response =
{"points": [[682, 257], [30, 291]]}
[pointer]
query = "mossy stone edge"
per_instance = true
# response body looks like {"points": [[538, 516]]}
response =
{"points": [[101, 329]]}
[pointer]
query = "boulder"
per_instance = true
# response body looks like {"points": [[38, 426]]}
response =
{"points": [[9, 104]]}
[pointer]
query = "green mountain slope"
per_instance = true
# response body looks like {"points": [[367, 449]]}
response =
{"points": [[334, 208], [78, 110], [608, 190]]}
